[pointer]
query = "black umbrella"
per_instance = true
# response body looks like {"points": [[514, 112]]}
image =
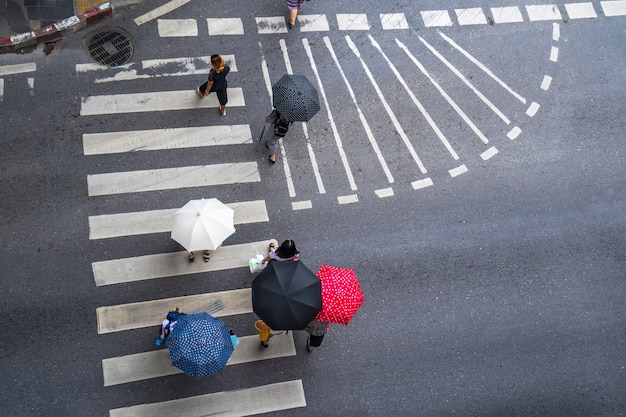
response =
{"points": [[286, 295], [295, 98]]}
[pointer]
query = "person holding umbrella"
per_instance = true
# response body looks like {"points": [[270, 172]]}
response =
{"points": [[202, 224], [316, 330], [279, 126], [286, 252], [294, 99]]}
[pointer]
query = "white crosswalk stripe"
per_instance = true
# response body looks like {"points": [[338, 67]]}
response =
{"points": [[150, 313], [158, 221], [152, 101], [118, 271], [243, 402], [163, 139], [172, 178], [156, 363]]}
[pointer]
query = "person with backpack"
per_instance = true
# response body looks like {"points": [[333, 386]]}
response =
{"points": [[279, 126], [168, 325]]}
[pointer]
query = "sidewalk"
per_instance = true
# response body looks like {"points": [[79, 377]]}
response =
{"points": [[26, 23]]}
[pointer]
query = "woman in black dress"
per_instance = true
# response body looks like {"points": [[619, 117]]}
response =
{"points": [[217, 78]]}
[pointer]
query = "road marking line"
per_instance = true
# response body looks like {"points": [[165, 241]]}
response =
{"points": [[353, 22], [271, 25], [480, 95], [483, 68], [157, 363], [489, 153], [301, 205], [172, 178], [391, 21], [554, 54], [423, 183], [17, 68], [144, 314], [545, 84], [347, 199], [107, 226], [1, 89], [225, 26], [455, 172], [514, 133], [532, 109], [118, 271], [268, 85], [185, 66], [312, 158], [433, 18], [383, 100], [189, 63], [384, 192], [366, 126], [556, 32], [506, 14], [580, 10], [155, 101], [472, 16], [313, 23], [173, 28], [160, 11], [161, 139], [543, 12], [445, 95], [241, 402], [613, 8], [333, 126]]}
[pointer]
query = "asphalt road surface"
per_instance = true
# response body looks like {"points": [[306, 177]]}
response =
{"points": [[471, 173]]}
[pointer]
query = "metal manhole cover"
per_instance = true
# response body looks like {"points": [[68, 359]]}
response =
{"points": [[110, 47]]}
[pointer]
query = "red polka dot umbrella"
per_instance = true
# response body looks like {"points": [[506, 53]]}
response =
{"points": [[341, 294]]}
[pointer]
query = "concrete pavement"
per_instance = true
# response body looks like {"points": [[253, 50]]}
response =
{"points": [[25, 23]]}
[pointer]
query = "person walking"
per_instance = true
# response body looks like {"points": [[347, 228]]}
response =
{"points": [[316, 330], [265, 332], [294, 6], [216, 82], [168, 325], [279, 126], [286, 252], [206, 255]]}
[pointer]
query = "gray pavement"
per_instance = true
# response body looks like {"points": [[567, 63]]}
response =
{"points": [[497, 292]]}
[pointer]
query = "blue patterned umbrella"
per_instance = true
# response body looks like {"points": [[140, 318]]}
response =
{"points": [[200, 345]]}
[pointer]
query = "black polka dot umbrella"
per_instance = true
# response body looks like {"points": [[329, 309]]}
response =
{"points": [[295, 98]]}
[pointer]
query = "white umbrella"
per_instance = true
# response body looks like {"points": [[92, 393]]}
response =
{"points": [[203, 224]]}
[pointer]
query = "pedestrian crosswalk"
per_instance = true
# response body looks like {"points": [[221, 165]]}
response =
{"points": [[398, 115], [435, 18]]}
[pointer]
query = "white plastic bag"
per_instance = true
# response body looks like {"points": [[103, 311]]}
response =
{"points": [[255, 264]]}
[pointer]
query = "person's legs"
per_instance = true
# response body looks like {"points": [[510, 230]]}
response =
{"points": [[222, 97], [293, 13], [272, 145]]}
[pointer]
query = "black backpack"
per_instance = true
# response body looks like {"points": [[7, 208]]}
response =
{"points": [[281, 127]]}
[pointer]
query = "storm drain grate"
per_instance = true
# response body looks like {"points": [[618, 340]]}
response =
{"points": [[110, 47]]}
